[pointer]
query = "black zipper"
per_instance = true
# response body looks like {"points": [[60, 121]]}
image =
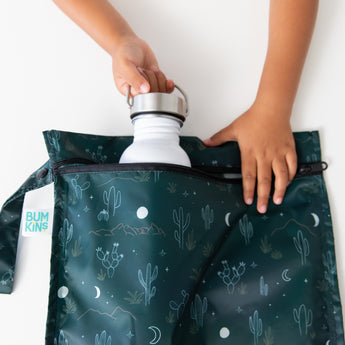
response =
{"points": [[221, 174], [67, 167]]}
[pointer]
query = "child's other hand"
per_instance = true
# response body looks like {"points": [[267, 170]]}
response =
{"points": [[266, 144], [135, 64]]}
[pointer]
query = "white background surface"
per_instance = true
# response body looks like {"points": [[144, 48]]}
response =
{"points": [[53, 76]]}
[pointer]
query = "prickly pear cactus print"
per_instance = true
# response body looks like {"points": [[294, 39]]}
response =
{"points": [[159, 254]]}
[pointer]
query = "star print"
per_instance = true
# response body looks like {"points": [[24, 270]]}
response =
{"points": [[264, 217], [306, 280], [167, 269], [86, 209], [185, 194], [91, 197], [281, 214], [162, 253], [213, 313], [239, 309], [253, 265], [130, 334]]}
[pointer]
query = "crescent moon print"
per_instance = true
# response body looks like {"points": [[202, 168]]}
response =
{"points": [[98, 292], [284, 275], [227, 219], [157, 333], [316, 219], [328, 342]]}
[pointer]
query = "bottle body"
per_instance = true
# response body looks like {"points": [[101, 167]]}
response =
{"points": [[156, 140]]}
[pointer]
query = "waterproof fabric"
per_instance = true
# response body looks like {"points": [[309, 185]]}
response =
{"points": [[162, 254]]}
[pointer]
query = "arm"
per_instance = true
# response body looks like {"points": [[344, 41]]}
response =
{"points": [[290, 30], [134, 63], [263, 132]]}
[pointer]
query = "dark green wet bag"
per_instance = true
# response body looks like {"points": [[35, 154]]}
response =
{"points": [[169, 255]]}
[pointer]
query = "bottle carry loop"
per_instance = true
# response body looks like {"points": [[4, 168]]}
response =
{"points": [[159, 104], [130, 101]]}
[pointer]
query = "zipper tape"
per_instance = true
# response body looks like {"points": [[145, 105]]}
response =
{"points": [[222, 174]]}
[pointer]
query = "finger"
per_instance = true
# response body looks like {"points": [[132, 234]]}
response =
{"points": [[281, 174], [224, 135], [130, 75], [162, 81], [170, 86], [248, 167], [291, 161], [264, 184], [152, 79], [122, 86]]}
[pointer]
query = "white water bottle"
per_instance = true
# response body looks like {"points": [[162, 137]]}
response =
{"points": [[157, 120]]}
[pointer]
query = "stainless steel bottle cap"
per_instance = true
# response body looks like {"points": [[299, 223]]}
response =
{"points": [[159, 104]]}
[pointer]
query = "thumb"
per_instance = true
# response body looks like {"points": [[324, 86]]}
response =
{"points": [[221, 137], [131, 74]]}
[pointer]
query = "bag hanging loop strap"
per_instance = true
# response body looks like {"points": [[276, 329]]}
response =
{"points": [[10, 218]]}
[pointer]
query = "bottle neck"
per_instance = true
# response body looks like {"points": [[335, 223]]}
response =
{"points": [[153, 127]]}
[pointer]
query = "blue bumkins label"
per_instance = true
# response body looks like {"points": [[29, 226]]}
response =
{"points": [[36, 222]]}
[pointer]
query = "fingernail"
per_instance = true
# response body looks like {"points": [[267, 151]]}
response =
{"points": [[208, 141], [144, 88], [279, 200], [262, 209], [249, 201]]}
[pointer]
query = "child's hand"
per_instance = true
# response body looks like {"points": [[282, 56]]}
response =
{"points": [[266, 143], [135, 64]]}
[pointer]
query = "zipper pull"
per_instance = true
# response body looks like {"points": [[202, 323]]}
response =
{"points": [[310, 169]]}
